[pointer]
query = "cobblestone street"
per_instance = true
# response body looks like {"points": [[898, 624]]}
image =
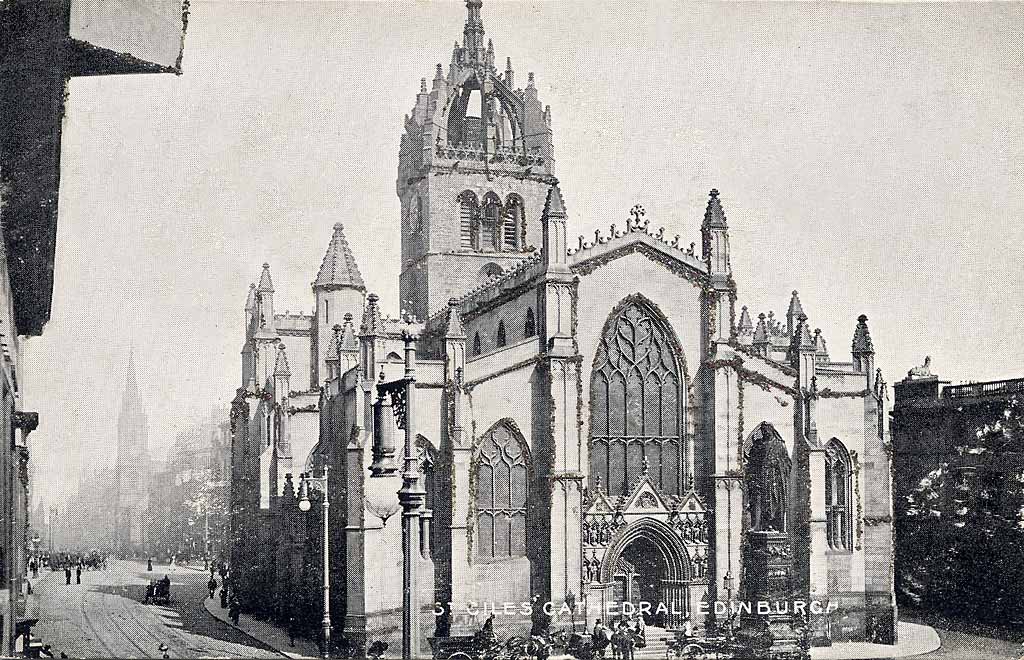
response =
{"points": [[105, 617]]}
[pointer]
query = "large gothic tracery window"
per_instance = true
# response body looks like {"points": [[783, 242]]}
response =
{"points": [[637, 404], [838, 514], [501, 494]]}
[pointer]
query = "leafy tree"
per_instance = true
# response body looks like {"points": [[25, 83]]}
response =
{"points": [[961, 548]]}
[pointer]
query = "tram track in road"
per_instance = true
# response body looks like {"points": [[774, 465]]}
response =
{"points": [[105, 617]]}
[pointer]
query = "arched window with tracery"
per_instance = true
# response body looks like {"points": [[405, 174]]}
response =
{"points": [[468, 221], [476, 343], [530, 324], [502, 463], [637, 403], [500, 339], [490, 224], [427, 456], [838, 500], [512, 224]]}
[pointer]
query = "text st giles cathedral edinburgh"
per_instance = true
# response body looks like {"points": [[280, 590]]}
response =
{"points": [[598, 418]]}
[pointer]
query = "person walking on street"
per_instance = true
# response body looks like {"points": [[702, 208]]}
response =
{"points": [[78, 574], [211, 585], [293, 630], [234, 611], [149, 564], [600, 639], [67, 574]]}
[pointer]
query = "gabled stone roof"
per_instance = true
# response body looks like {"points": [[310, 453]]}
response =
{"points": [[339, 268]]}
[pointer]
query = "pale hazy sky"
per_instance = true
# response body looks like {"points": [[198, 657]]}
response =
{"points": [[868, 155]]}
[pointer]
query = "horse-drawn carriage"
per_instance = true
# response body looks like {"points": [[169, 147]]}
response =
{"points": [[158, 592]]}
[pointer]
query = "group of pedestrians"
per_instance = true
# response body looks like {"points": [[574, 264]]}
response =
{"points": [[78, 574], [623, 638], [228, 598]]}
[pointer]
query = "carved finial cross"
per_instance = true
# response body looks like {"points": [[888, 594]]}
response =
{"points": [[638, 214], [645, 468]]}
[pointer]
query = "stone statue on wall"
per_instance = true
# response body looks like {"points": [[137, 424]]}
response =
{"points": [[924, 371], [768, 471]]}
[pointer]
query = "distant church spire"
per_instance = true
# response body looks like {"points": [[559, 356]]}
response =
{"points": [[131, 388]]}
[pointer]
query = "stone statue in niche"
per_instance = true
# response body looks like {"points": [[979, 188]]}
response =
{"points": [[768, 469]]}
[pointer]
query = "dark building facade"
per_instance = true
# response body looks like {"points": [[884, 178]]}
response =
{"points": [[43, 44], [932, 421]]}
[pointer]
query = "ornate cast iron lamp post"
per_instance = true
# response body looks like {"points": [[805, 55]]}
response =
{"points": [[412, 498], [320, 484]]}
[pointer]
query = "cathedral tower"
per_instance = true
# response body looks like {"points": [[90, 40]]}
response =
{"points": [[475, 165]]}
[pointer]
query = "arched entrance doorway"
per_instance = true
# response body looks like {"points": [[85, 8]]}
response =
{"points": [[647, 563], [642, 568]]}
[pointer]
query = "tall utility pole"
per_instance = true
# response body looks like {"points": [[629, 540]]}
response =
{"points": [[412, 498]]}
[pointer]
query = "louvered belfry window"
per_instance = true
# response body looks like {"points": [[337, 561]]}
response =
{"points": [[636, 405], [468, 221], [501, 492]]}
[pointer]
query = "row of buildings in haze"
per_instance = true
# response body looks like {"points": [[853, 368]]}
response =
{"points": [[161, 508], [43, 45]]}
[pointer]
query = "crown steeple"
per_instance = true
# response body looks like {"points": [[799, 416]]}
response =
{"points": [[470, 126], [473, 33]]}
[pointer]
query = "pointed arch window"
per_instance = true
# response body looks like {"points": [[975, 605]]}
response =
{"points": [[637, 404], [512, 224], [500, 338], [490, 229], [476, 343], [501, 494], [838, 500], [428, 457], [468, 222], [530, 324]]}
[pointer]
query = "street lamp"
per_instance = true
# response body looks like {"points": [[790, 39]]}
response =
{"points": [[729, 583], [412, 498], [320, 484]]}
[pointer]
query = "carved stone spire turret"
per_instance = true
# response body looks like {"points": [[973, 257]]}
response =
{"points": [[863, 349], [746, 326], [266, 284], [281, 363], [339, 267], [793, 314]]}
